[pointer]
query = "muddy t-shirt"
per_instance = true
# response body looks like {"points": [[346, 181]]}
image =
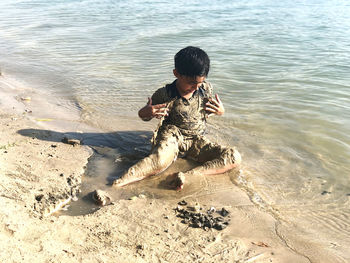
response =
{"points": [[187, 115]]}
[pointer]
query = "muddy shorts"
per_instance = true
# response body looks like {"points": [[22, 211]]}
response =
{"points": [[171, 143]]}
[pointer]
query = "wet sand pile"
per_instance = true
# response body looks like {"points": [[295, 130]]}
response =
{"points": [[41, 173]]}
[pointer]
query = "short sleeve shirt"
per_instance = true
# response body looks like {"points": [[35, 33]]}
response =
{"points": [[186, 114]]}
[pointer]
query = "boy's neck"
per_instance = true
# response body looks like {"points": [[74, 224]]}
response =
{"points": [[186, 95]]}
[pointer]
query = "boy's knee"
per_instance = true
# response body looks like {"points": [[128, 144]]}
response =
{"points": [[165, 153], [232, 156], [237, 157]]}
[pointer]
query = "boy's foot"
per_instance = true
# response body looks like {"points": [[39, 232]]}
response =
{"points": [[101, 197], [130, 177], [178, 181]]}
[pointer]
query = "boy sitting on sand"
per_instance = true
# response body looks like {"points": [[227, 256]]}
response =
{"points": [[183, 107]]}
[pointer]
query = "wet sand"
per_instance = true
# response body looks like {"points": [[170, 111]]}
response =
{"points": [[39, 173]]}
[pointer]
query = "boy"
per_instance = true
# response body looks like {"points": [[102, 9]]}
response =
{"points": [[183, 107]]}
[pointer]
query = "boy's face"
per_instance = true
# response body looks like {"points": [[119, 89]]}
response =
{"points": [[187, 85]]}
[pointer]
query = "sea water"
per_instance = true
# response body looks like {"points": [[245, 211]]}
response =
{"points": [[281, 69]]}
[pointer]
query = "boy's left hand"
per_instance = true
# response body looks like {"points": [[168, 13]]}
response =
{"points": [[215, 106]]}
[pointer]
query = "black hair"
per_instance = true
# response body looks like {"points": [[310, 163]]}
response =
{"points": [[192, 62]]}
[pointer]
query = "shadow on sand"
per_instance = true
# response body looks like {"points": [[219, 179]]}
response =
{"points": [[122, 140], [122, 148]]}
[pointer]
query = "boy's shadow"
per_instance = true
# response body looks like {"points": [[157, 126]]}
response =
{"points": [[121, 149], [119, 140]]}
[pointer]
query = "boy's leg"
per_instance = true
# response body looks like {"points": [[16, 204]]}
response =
{"points": [[162, 156], [214, 158]]}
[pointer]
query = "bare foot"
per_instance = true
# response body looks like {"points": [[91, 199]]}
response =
{"points": [[178, 181], [101, 197]]}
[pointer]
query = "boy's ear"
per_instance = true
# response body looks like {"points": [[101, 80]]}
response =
{"points": [[176, 74]]}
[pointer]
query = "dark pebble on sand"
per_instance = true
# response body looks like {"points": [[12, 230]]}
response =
{"points": [[211, 210], [73, 142], [39, 197], [183, 202], [205, 221], [219, 226], [224, 212], [185, 221], [325, 192], [139, 247]]}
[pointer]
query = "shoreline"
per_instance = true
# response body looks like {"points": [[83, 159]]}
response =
{"points": [[35, 171]]}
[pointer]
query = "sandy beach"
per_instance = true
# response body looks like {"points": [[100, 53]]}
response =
{"points": [[39, 174]]}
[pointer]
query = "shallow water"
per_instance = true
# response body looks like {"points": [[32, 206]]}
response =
{"points": [[281, 69]]}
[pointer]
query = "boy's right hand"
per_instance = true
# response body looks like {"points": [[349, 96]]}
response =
{"points": [[150, 111]]}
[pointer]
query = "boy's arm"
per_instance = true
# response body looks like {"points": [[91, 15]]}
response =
{"points": [[150, 111]]}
